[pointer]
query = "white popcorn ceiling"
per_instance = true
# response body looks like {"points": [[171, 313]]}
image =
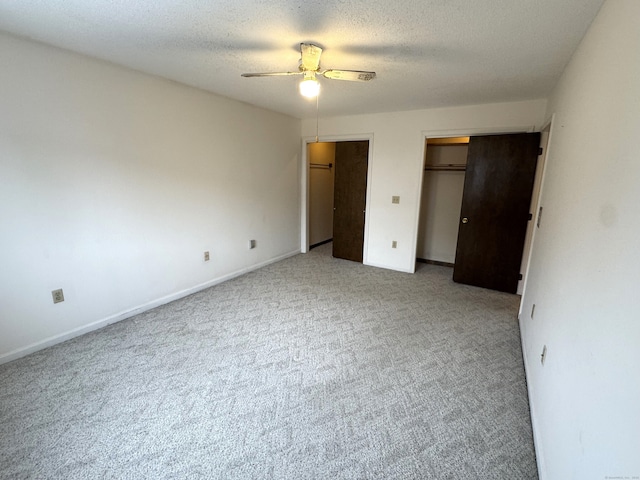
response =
{"points": [[427, 53]]}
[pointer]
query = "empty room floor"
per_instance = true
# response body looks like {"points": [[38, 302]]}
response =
{"points": [[309, 368]]}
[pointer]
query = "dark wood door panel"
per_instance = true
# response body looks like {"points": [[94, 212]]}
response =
{"points": [[349, 199], [495, 210]]}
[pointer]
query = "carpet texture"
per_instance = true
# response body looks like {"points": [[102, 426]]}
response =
{"points": [[310, 368]]}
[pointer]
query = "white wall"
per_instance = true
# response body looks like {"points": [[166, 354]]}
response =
{"points": [[321, 182], [585, 268], [113, 185], [441, 204], [396, 155]]}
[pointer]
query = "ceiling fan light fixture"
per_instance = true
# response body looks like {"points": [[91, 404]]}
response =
{"points": [[309, 86], [309, 67]]}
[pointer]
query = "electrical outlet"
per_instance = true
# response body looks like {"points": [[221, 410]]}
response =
{"points": [[206, 256], [543, 356], [395, 199], [533, 309], [394, 244], [58, 296], [252, 244]]}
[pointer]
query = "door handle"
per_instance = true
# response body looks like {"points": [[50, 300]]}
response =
{"points": [[465, 220]]}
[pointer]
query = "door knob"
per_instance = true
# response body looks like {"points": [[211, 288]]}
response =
{"points": [[465, 220]]}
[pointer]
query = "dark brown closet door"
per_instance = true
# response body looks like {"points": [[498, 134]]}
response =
{"points": [[349, 199], [495, 210]]}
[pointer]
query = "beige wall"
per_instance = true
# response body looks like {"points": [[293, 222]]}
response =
{"points": [[321, 191], [396, 157], [585, 268], [113, 184]]}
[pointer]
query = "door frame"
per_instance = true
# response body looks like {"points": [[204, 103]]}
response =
{"points": [[544, 160], [535, 204], [457, 132], [304, 186]]}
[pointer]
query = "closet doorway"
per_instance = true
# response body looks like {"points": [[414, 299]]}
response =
{"points": [[492, 211], [442, 187], [337, 196], [322, 158]]}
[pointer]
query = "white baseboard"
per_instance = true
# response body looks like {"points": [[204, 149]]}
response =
{"points": [[76, 332], [534, 422]]}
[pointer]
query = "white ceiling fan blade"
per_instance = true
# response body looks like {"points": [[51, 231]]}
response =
{"points": [[273, 74], [351, 75], [310, 56]]}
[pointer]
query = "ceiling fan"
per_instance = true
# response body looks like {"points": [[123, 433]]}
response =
{"points": [[309, 67]]}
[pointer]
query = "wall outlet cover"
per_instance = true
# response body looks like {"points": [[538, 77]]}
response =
{"points": [[395, 199], [206, 256], [58, 295]]}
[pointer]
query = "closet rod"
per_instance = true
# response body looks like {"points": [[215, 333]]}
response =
{"points": [[447, 168], [321, 165]]}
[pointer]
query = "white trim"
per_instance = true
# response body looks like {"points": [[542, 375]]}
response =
{"points": [[537, 443], [76, 332], [470, 132], [367, 213], [534, 205], [304, 179], [416, 222], [304, 195], [548, 124]]}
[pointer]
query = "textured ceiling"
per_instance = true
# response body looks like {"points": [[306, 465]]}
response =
{"points": [[427, 53]]}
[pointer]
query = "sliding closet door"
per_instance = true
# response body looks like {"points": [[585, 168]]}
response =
{"points": [[495, 210], [349, 199]]}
